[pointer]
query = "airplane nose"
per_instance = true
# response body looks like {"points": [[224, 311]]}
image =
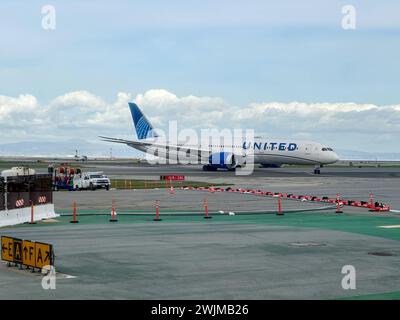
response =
{"points": [[335, 157]]}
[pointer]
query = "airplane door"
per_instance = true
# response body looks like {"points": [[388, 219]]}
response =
{"points": [[308, 149]]}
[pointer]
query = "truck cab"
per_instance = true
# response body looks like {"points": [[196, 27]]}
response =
{"points": [[91, 181]]}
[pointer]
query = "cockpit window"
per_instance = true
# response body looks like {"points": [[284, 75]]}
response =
{"points": [[327, 149]]}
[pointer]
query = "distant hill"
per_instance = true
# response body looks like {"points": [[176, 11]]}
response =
{"points": [[66, 148], [102, 149], [360, 155]]}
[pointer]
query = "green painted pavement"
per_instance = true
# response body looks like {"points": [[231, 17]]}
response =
{"points": [[366, 225], [376, 296]]}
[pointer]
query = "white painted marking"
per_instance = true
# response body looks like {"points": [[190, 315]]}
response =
{"points": [[390, 227], [67, 276]]}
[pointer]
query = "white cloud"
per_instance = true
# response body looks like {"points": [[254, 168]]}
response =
{"points": [[163, 106], [83, 115], [19, 105], [324, 117]]}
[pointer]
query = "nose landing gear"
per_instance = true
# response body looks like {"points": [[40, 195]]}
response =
{"points": [[317, 169]]}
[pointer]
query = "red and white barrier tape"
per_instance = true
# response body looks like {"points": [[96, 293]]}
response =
{"points": [[362, 204]]}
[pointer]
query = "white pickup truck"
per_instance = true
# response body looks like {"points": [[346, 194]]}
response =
{"points": [[91, 181]]}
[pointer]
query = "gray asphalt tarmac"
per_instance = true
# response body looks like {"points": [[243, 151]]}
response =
{"points": [[349, 182], [264, 256], [203, 260]]}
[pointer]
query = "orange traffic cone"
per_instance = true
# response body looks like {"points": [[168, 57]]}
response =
{"points": [[113, 213]]}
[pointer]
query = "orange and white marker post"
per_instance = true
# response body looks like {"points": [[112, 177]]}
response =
{"points": [[280, 212], [206, 216], [32, 213], [212, 189], [74, 218], [157, 218], [371, 202], [338, 208], [171, 189], [113, 213]]}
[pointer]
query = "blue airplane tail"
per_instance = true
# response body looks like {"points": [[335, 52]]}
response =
{"points": [[143, 127]]}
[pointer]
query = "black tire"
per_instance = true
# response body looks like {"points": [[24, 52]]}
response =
{"points": [[92, 187], [107, 188]]}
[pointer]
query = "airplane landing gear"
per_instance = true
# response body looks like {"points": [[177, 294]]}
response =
{"points": [[317, 169]]}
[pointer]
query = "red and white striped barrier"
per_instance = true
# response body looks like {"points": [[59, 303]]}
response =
{"points": [[362, 204], [19, 203], [42, 199]]}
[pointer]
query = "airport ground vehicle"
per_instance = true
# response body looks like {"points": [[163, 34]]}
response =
{"points": [[91, 181], [63, 176]]}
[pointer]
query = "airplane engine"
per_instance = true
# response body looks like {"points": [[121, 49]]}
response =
{"points": [[224, 160]]}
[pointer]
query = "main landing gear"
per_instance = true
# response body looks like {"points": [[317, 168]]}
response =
{"points": [[317, 169], [213, 168]]}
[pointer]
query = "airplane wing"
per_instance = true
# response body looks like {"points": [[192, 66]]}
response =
{"points": [[193, 152], [128, 142]]}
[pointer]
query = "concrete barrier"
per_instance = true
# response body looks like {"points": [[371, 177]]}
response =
{"points": [[16, 216]]}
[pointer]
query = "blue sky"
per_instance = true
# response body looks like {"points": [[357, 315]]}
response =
{"points": [[243, 52]]}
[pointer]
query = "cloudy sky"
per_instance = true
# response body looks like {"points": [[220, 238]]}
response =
{"points": [[284, 68]]}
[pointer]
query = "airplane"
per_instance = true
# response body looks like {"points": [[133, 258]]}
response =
{"points": [[80, 157], [266, 152]]}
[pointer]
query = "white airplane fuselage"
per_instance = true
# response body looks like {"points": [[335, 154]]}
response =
{"points": [[272, 152]]}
